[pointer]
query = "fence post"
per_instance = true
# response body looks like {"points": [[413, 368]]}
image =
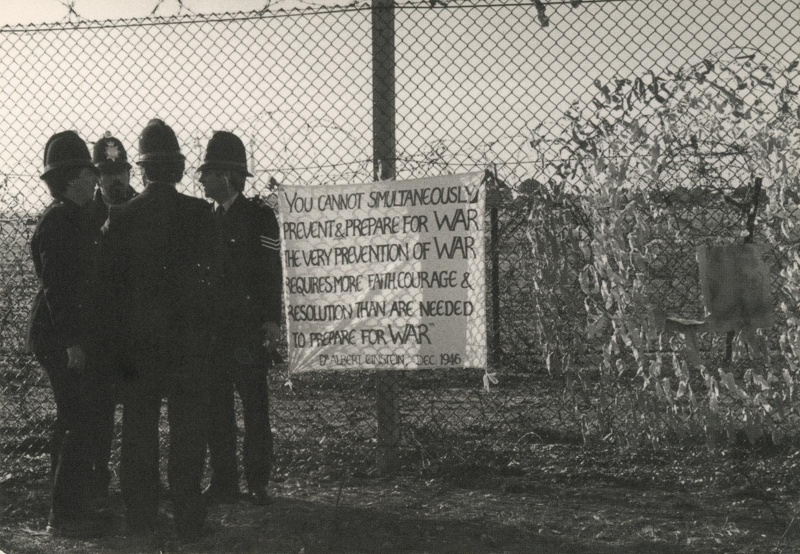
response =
{"points": [[494, 237], [493, 200], [387, 391]]}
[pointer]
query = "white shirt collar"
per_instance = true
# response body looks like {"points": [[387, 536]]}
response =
{"points": [[227, 205]]}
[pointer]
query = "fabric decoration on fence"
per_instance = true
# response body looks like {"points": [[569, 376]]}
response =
{"points": [[385, 275]]}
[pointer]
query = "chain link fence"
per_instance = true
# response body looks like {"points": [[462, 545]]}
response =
{"points": [[479, 86]]}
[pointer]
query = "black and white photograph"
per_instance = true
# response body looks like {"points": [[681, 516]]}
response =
{"points": [[400, 276]]}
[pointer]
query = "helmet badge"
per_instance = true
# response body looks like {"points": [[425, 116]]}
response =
{"points": [[112, 151]]}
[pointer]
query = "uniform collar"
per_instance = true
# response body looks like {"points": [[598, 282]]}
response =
{"points": [[227, 205], [161, 186], [69, 203]]}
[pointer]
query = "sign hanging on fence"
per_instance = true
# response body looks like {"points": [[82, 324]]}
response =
{"points": [[735, 281], [386, 275]]}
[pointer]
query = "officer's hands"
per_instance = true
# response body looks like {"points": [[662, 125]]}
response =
{"points": [[273, 335], [76, 357]]}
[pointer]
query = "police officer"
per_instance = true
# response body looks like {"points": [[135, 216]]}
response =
{"points": [[247, 322], [155, 269], [111, 160], [61, 325]]}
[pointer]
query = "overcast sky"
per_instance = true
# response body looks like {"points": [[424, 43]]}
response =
{"points": [[24, 12]]}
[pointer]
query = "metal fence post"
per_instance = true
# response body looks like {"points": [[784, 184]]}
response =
{"points": [[387, 387], [493, 200], [494, 347]]}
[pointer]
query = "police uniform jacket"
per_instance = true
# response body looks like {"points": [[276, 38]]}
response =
{"points": [[98, 209], [64, 251], [155, 270], [248, 258]]}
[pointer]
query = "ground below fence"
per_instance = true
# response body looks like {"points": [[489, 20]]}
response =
{"points": [[547, 497]]}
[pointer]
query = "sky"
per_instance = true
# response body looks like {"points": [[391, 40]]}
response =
{"points": [[23, 12], [298, 89]]}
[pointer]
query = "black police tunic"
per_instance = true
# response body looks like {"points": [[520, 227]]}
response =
{"points": [[64, 251], [98, 209], [248, 250], [155, 262]]}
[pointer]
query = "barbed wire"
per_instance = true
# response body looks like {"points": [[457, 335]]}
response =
{"points": [[181, 7], [70, 5], [539, 5]]}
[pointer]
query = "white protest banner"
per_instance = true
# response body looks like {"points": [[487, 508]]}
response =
{"points": [[386, 275]]}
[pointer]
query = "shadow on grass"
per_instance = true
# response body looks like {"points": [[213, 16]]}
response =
{"points": [[317, 527], [294, 525]]}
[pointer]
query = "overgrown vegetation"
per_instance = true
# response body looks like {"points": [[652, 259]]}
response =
{"points": [[656, 166]]}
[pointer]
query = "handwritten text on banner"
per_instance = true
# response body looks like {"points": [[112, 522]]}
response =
{"points": [[386, 275]]}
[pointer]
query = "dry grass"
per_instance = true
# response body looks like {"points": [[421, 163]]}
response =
{"points": [[559, 498]]}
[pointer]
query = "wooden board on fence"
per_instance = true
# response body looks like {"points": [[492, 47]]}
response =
{"points": [[735, 282]]}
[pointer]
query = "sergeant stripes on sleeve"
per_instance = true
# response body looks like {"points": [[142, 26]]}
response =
{"points": [[272, 244]]}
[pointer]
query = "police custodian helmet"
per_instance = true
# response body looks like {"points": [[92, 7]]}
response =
{"points": [[64, 150], [225, 151], [158, 144], [109, 155]]}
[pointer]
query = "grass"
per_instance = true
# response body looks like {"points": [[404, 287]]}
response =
{"points": [[550, 497]]}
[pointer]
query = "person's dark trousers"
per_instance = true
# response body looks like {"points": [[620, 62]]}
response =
{"points": [[56, 440], [158, 372], [222, 430], [139, 476], [188, 409], [70, 441], [243, 368], [103, 409]]}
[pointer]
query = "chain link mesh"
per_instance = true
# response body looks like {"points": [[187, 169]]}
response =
{"points": [[478, 87]]}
